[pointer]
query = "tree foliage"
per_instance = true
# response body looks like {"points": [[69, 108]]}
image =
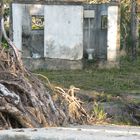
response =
{"points": [[125, 24], [129, 27]]}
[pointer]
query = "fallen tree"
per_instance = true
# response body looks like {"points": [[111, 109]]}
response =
{"points": [[29, 100], [32, 102]]}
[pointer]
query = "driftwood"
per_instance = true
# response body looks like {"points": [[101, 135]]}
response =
{"points": [[29, 100]]}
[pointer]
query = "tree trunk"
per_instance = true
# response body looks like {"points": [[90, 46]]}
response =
{"points": [[133, 30]]}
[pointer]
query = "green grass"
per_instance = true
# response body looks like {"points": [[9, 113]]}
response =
{"points": [[125, 79]]}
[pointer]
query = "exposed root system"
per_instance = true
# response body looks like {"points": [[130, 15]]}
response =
{"points": [[29, 100]]}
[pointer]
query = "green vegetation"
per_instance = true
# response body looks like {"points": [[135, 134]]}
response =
{"points": [[98, 112], [123, 80], [129, 23], [37, 22]]}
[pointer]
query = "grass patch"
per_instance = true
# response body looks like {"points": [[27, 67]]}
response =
{"points": [[123, 80]]}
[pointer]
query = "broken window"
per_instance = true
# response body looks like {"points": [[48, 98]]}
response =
{"points": [[37, 22], [104, 22]]}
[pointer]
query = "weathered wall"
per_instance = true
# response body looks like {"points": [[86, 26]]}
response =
{"points": [[37, 42], [66, 31], [52, 64], [98, 36], [63, 39], [63, 32], [33, 40], [74, 2]]}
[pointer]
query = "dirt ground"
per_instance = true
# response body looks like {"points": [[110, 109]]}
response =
{"points": [[120, 109]]}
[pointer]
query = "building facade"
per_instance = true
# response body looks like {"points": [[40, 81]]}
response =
{"points": [[61, 34]]}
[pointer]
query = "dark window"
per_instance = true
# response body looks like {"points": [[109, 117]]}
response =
{"points": [[37, 22], [104, 22]]}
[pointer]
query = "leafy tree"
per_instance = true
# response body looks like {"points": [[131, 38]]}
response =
{"points": [[125, 25], [129, 28]]}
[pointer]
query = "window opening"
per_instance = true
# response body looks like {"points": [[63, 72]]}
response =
{"points": [[104, 22], [37, 22]]}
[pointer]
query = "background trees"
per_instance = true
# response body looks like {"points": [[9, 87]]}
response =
{"points": [[129, 28]]}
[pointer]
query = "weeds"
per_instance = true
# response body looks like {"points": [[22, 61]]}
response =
{"points": [[98, 113]]}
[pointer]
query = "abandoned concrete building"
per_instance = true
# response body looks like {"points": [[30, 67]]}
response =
{"points": [[62, 34]]}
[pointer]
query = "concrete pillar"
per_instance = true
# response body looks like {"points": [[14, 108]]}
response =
{"points": [[113, 33], [17, 25]]}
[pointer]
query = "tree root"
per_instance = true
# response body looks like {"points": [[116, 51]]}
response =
{"points": [[26, 101]]}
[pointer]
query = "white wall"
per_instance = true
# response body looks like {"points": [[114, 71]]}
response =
{"points": [[112, 33], [21, 14], [36, 9], [17, 25], [63, 32]]}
